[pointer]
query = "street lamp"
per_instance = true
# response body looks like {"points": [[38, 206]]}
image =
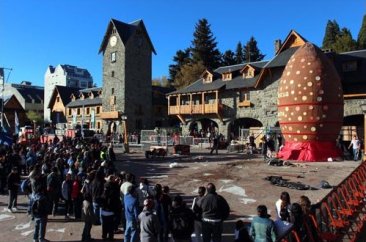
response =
{"points": [[363, 108], [124, 123]]}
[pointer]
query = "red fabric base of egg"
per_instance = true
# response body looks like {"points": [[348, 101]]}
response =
{"points": [[310, 151]]}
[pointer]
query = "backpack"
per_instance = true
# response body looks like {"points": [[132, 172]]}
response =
{"points": [[40, 206], [25, 186]]}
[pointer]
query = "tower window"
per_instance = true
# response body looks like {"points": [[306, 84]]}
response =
{"points": [[113, 57], [112, 91], [112, 74]]}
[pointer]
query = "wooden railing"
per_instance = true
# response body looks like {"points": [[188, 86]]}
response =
{"points": [[194, 109]]}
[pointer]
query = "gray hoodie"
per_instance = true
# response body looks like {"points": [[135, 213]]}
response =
{"points": [[149, 225]]}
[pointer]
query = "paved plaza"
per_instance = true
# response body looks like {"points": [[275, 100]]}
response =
{"points": [[238, 177]]}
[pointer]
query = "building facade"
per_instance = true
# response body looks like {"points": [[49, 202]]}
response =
{"points": [[127, 65], [63, 75], [29, 96], [244, 96]]}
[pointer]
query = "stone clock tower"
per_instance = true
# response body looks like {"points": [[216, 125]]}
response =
{"points": [[127, 87]]}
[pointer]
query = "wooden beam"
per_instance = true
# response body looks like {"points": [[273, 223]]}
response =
{"points": [[354, 95], [190, 102], [180, 117], [203, 103]]}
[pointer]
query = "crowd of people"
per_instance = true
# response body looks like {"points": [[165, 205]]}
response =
{"points": [[79, 181]]}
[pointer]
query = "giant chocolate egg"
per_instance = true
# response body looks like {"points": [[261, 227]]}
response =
{"points": [[310, 97]]}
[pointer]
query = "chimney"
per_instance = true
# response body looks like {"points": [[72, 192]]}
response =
{"points": [[277, 45]]}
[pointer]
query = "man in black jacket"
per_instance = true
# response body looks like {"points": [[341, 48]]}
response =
{"points": [[13, 186], [215, 210], [181, 221]]}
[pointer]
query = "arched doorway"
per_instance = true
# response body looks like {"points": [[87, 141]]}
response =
{"points": [[200, 127], [236, 126], [353, 125]]}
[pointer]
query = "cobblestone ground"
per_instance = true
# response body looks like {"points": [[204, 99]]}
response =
{"points": [[238, 177]]}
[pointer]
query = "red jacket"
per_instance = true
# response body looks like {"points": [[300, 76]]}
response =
{"points": [[75, 191]]}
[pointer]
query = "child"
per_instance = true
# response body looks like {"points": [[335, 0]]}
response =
{"points": [[241, 233]]}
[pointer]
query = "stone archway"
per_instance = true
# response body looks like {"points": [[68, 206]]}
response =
{"points": [[242, 123], [353, 125], [202, 126]]}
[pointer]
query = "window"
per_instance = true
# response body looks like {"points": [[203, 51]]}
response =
{"points": [[244, 96], [113, 57], [87, 111], [70, 111], [112, 91], [349, 66], [98, 110], [208, 79], [226, 76], [78, 112], [58, 99], [112, 74]]}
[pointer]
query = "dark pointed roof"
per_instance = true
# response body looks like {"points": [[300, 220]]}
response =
{"points": [[65, 94], [125, 31]]}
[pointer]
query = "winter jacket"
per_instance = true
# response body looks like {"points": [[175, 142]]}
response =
{"points": [[66, 189], [149, 226], [131, 207], [75, 191], [13, 181], [262, 230], [214, 206]]}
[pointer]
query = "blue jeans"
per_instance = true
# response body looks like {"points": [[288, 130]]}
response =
{"points": [[355, 154], [131, 231], [97, 212], [40, 225]]}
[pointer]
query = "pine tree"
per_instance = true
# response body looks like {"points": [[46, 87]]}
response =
{"points": [[188, 74], [251, 51], [204, 46], [331, 33], [228, 58], [361, 39], [344, 41], [239, 55], [181, 58]]}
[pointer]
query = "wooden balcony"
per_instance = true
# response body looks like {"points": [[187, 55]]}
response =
{"points": [[245, 103], [110, 115], [194, 109]]}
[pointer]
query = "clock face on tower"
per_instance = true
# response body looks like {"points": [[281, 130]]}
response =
{"points": [[113, 40]]}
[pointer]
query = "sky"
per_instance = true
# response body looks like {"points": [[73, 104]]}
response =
{"points": [[37, 33]]}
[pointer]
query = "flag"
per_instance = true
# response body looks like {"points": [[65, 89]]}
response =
{"points": [[73, 116], [16, 121]]}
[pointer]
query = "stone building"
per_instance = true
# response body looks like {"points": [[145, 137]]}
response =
{"points": [[244, 96], [85, 109], [63, 75], [127, 62]]}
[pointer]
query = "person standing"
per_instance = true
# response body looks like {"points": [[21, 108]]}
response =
{"points": [[181, 221], [196, 207], [215, 210], [215, 145], [88, 216], [356, 145], [66, 193], [13, 187], [53, 189], [149, 223], [262, 228], [131, 214], [40, 210]]}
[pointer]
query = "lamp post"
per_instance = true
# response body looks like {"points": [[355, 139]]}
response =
{"points": [[124, 123], [363, 108]]}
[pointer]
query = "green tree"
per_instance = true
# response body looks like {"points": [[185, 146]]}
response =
{"points": [[239, 54], [204, 46], [344, 41], [34, 117], [252, 52], [228, 58], [361, 39], [188, 74], [331, 33], [181, 57]]}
